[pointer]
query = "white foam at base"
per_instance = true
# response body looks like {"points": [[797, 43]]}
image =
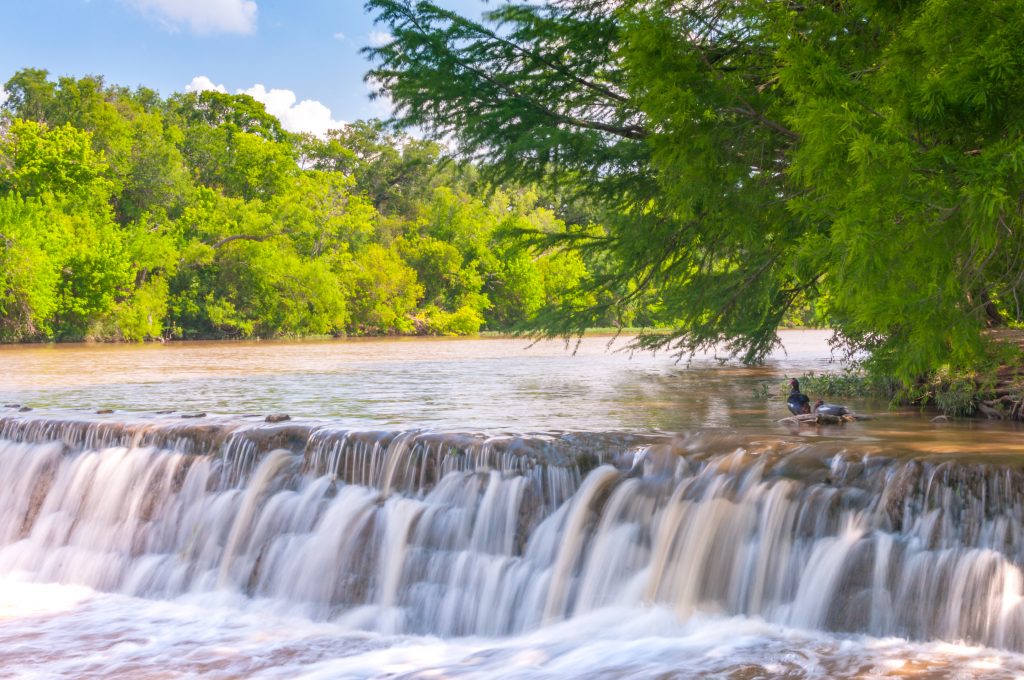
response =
{"points": [[52, 630]]}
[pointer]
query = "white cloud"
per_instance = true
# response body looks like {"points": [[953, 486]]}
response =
{"points": [[339, 36], [203, 17], [202, 83], [3, 96], [379, 38], [307, 115]]}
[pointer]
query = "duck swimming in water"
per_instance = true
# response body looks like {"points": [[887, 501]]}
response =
{"points": [[830, 409], [797, 402]]}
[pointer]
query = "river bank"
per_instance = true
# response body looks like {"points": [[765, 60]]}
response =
{"points": [[997, 395]]}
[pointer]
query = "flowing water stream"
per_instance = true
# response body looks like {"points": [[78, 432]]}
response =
{"points": [[475, 509]]}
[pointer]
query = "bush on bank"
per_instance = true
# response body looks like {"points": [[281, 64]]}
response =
{"points": [[998, 394]]}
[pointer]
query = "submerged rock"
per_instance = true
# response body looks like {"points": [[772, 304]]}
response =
{"points": [[277, 417], [193, 415]]}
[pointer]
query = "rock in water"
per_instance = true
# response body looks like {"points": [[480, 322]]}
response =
{"points": [[277, 417]]}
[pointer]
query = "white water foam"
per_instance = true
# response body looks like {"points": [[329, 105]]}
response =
{"points": [[51, 631], [700, 556]]}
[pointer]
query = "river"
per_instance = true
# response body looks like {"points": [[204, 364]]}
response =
{"points": [[487, 508]]}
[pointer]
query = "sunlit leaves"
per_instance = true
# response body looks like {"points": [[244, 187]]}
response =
{"points": [[857, 164], [129, 217]]}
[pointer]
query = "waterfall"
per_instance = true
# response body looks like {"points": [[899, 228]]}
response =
{"points": [[471, 534]]}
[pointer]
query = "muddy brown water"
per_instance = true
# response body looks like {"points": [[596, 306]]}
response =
{"points": [[490, 508]]}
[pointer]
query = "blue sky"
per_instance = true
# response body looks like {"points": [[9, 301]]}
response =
{"points": [[301, 57]]}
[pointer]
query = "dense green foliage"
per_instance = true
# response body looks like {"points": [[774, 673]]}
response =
{"points": [[858, 164], [127, 216]]}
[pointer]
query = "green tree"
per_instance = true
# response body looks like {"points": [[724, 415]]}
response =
{"points": [[156, 177], [96, 273], [396, 172], [383, 292], [30, 271], [912, 153], [36, 160], [232, 143], [749, 159], [266, 289], [321, 214], [131, 217], [236, 112], [30, 94]]}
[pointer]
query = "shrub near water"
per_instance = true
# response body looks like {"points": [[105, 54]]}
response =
{"points": [[849, 384], [950, 394], [958, 397]]}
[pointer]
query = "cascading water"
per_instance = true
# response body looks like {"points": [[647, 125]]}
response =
{"points": [[471, 535]]}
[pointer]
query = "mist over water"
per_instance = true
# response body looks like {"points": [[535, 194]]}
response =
{"points": [[470, 509]]}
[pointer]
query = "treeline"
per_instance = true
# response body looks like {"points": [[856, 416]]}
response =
{"points": [[124, 215]]}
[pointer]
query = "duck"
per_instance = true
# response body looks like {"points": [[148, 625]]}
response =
{"points": [[798, 402], [830, 409]]}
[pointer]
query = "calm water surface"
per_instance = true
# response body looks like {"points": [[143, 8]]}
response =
{"points": [[490, 384], [494, 383]]}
